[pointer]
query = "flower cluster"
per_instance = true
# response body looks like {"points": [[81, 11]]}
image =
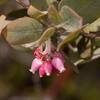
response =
{"points": [[45, 61]]}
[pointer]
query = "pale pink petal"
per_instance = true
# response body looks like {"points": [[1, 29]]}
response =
{"points": [[58, 64], [59, 55], [36, 63]]}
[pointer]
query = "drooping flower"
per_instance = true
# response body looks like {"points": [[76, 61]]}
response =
{"points": [[45, 68], [46, 59], [36, 63], [59, 55], [58, 63]]}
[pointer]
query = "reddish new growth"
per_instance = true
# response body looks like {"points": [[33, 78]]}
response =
{"points": [[47, 60]]}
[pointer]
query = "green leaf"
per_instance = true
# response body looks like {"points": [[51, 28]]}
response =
{"points": [[46, 34], [39, 4], [97, 41], [94, 27], [20, 48], [35, 13], [70, 37], [3, 22], [71, 20], [88, 9], [51, 1], [23, 30], [87, 53], [53, 15]]}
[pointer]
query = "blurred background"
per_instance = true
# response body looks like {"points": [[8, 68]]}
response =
{"points": [[17, 83]]}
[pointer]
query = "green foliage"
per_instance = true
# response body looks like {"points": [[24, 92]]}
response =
{"points": [[57, 20], [93, 27], [71, 20], [50, 1], [42, 5], [88, 9], [23, 30], [97, 41], [54, 15], [46, 34], [65, 27], [86, 49], [68, 39], [35, 13]]}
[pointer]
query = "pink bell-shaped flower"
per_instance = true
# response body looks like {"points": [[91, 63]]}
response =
{"points": [[47, 58], [58, 64], [36, 63], [59, 55], [41, 71], [48, 67]]}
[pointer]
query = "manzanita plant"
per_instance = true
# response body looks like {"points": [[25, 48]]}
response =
{"points": [[57, 35]]}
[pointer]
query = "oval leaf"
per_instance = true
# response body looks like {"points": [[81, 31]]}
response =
{"points": [[23, 30], [71, 20], [88, 9], [45, 36]]}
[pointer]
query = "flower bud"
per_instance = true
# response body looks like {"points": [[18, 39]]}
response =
{"points": [[58, 64], [36, 63]]}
